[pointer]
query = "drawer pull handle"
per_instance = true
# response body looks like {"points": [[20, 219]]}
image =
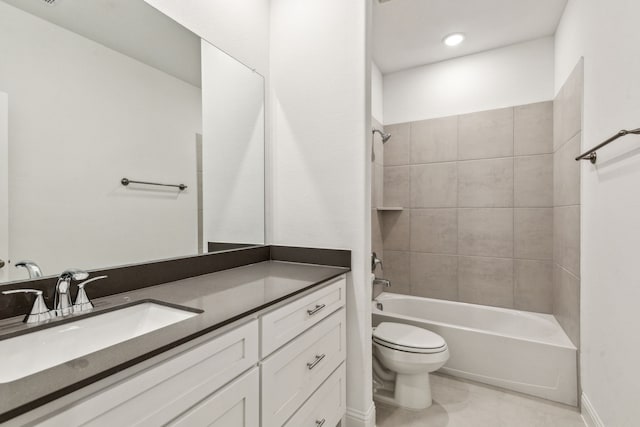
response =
{"points": [[315, 310], [320, 423], [313, 364]]}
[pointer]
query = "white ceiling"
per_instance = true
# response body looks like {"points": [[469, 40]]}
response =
{"points": [[131, 27], [408, 33]]}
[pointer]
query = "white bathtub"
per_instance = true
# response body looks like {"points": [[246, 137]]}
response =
{"points": [[517, 350]]}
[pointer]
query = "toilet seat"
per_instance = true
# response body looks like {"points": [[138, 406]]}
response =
{"points": [[407, 338]]}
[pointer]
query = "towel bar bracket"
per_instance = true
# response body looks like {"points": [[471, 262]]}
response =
{"points": [[591, 154]]}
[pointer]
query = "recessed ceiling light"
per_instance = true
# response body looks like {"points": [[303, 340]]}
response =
{"points": [[453, 39]]}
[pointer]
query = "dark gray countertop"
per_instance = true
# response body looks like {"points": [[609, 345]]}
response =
{"points": [[224, 297]]}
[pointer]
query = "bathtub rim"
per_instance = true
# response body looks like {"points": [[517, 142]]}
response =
{"points": [[568, 344]]}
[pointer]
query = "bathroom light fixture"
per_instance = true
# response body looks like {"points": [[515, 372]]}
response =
{"points": [[453, 39]]}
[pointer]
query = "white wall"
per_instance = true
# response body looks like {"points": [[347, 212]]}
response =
{"points": [[240, 28], [320, 97], [377, 93], [4, 183], [232, 149], [513, 75], [569, 42], [81, 117], [606, 34]]}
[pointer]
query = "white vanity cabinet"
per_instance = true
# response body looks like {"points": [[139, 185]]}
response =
{"points": [[236, 405], [284, 368], [156, 396]]}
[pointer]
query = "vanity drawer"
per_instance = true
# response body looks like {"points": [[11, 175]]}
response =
{"points": [[236, 405], [157, 395], [294, 372], [282, 325], [326, 406]]}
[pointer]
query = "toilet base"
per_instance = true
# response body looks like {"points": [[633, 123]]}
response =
{"points": [[410, 392]]}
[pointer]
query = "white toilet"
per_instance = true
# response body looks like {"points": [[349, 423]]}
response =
{"points": [[403, 357]]}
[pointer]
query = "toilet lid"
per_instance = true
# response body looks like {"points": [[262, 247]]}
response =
{"points": [[407, 338]]}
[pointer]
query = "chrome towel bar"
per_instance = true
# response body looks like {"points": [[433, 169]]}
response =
{"points": [[127, 181], [592, 156]]}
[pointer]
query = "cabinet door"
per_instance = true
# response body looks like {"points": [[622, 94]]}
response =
{"points": [[284, 324], [159, 394], [236, 405], [293, 373], [326, 406]]}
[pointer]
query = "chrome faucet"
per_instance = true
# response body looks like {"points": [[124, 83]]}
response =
{"points": [[32, 268], [384, 282], [375, 261], [83, 303], [39, 311], [62, 300]]}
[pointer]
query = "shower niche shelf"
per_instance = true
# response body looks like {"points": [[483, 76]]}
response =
{"points": [[390, 209]]}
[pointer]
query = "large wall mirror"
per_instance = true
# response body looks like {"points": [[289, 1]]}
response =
{"points": [[94, 91]]}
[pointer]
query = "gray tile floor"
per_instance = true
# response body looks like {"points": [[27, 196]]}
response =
{"points": [[459, 403]]}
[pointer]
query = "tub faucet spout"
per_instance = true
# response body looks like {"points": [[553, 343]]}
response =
{"points": [[384, 282]]}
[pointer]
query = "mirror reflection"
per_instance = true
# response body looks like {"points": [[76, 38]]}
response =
{"points": [[92, 92]]}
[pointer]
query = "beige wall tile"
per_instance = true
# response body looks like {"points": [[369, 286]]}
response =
{"points": [[377, 186], [376, 234], [396, 150], [396, 186], [434, 185], [566, 173], [568, 108], [378, 151], [486, 281], [395, 230], [485, 183], [566, 302], [534, 181], [485, 232], [533, 233], [434, 230], [397, 269], [486, 134], [434, 140], [566, 238], [533, 128], [533, 288], [377, 155], [434, 276], [558, 119]]}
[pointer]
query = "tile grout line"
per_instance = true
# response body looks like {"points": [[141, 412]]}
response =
{"points": [[457, 208], [513, 218], [469, 160], [410, 206]]}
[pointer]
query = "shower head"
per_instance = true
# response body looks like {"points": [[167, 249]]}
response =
{"points": [[385, 136]]}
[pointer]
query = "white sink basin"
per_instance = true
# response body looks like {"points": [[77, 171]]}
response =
{"points": [[33, 352]]}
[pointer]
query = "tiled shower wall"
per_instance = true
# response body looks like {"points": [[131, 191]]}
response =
{"points": [[377, 173], [477, 193], [566, 204]]}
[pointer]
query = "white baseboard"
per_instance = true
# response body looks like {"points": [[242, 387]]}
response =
{"points": [[355, 418], [589, 414]]}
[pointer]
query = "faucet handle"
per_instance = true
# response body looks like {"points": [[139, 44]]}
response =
{"points": [[39, 311], [375, 261], [83, 303]]}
